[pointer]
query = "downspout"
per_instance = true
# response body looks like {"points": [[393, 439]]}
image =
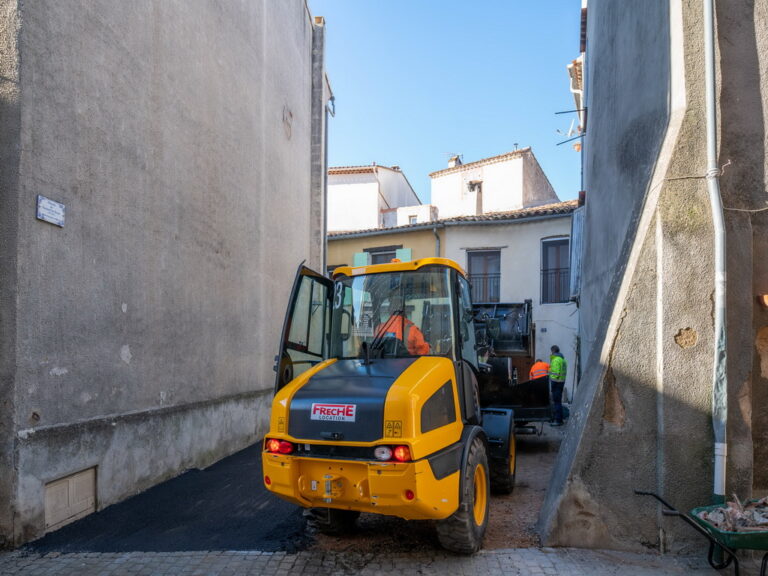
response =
{"points": [[437, 241], [330, 109], [720, 375]]}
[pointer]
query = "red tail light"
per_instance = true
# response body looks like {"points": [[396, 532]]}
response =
{"points": [[401, 453], [273, 445], [409, 495], [267, 480], [279, 446]]}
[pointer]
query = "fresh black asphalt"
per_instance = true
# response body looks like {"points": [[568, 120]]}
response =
{"points": [[224, 507]]}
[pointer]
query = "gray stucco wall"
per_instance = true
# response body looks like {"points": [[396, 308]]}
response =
{"points": [[177, 134], [9, 178], [628, 84], [642, 415]]}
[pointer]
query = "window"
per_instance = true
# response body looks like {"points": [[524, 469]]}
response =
{"points": [[383, 254], [555, 271], [412, 219], [485, 275], [382, 310], [382, 257]]}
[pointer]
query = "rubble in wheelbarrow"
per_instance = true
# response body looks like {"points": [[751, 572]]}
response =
{"points": [[737, 517]]}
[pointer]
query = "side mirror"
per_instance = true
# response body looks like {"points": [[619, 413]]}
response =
{"points": [[494, 327]]}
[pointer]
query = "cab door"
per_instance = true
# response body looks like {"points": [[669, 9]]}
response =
{"points": [[307, 326]]}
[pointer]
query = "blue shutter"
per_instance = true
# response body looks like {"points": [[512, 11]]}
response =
{"points": [[403, 254], [361, 259]]}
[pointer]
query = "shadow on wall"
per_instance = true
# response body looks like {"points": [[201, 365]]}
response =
{"points": [[743, 186], [629, 436]]}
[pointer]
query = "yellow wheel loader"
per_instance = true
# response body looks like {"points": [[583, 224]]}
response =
{"points": [[376, 405]]}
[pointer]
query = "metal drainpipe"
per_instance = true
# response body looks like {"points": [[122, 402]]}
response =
{"points": [[720, 375], [437, 241]]}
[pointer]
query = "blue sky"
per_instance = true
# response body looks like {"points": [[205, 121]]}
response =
{"points": [[418, 80]]}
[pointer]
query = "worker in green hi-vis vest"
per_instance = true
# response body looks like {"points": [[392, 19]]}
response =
{"points": [[558, 368]]}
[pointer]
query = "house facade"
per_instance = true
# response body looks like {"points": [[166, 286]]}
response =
{"points": [[510, 256], [364, 197], [500, 183]]}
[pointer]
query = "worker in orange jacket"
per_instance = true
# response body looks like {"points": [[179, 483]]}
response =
{"points": [[397, 323], [539, 370]]}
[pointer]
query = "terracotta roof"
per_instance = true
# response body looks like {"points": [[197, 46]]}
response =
{"points": [[369, 169], [532, 211], [483, 162], [543, 211]]}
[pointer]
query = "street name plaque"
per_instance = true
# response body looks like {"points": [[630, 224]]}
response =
{"points": [[50, 211]]}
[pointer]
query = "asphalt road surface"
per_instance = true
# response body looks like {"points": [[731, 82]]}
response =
{"points": [[224, 507]]}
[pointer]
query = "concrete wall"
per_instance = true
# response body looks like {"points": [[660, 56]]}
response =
{"points": [[520, 247], [10, 151], [140, 335], [642, 412], [743, 49]]}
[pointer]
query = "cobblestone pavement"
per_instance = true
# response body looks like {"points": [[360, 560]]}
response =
{"points": [[520, 561]]}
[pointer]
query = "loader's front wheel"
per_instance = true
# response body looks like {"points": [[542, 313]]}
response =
{"points": [[463, 531], [331, 521]]}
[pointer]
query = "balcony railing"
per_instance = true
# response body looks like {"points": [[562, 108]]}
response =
{"points": [[555, 285], [485, 287]]}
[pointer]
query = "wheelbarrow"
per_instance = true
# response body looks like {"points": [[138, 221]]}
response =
{"points": [[722, 544]]}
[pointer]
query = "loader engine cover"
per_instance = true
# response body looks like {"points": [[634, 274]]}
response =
{"points": [[345, 401]]}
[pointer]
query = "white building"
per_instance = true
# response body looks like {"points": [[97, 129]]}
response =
{"points": [[523, 255], [364, 197], [501, 183]]}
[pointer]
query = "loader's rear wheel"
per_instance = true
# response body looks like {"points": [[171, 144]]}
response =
{"points": [[463, 532], [331, 521], [503, 471]]}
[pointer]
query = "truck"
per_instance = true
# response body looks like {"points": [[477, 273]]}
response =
{"points": [[377, 404]]}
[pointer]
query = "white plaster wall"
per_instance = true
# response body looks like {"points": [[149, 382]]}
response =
{"points": [[502, 189], [353, 202], [503, 186], [450, 194], [396, 189], [520, 246], [423, 213]]}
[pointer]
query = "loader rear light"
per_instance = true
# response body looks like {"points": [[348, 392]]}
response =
{"points": [[402, 453], [409, 495], [383, 453], [279, 446], [267, 480]]}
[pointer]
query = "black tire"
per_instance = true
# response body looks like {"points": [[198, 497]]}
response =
{"points": [[462, 532], [331, 521], [503, 470]]}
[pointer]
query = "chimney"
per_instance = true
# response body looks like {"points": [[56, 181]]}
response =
{"points": [[454, 161]]}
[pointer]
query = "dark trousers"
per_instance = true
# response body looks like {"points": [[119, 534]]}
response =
{"points": [[557, 400]]}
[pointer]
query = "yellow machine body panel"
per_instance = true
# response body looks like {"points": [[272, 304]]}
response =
{"points": [[413, 490], [397, 267]]}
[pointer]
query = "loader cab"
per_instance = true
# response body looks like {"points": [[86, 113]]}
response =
{"points": [[379, 314]]}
